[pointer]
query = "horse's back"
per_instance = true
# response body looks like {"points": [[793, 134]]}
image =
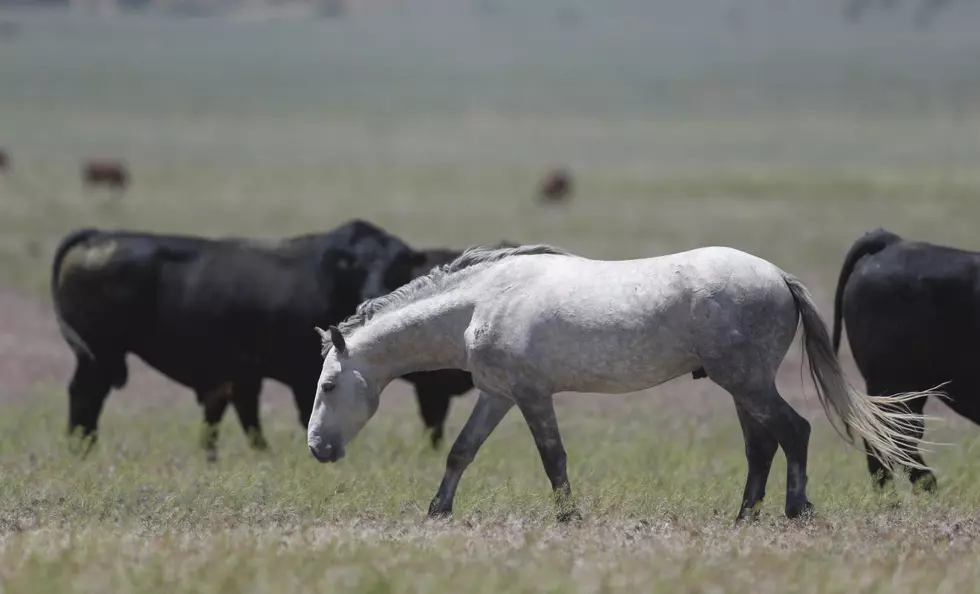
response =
{"points": [[617, 326]]}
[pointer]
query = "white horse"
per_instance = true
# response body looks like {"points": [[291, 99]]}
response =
{"points": [[534, 320]]}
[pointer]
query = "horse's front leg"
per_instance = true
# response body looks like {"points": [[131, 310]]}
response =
{"points": [[486, 415], [539, 412]]}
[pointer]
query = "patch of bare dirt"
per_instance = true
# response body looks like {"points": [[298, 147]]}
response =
{"points": [[31, 349]]}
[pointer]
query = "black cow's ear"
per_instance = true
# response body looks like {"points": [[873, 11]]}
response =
{"points": [[338, 340]]}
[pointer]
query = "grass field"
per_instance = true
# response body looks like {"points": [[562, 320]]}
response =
{"points": [[787, 138]]}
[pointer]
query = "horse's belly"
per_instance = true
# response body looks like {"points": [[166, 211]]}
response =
{"points": [[614, 360]]}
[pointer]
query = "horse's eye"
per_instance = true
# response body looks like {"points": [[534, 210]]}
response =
{"points": [[327, 386]]}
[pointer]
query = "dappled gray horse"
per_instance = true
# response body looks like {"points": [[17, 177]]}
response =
{"points": [[534, 320]]}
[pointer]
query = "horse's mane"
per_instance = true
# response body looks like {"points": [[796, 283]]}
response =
{"points": [[438, 278]]}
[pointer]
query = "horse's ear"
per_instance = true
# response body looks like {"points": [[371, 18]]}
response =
{"points": [[324, 339], [338, 340]]}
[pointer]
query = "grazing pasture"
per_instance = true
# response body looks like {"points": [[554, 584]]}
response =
{"points": [[786, 136]]}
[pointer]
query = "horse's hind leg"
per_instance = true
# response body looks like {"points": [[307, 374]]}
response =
{"points": [[763, 404], [791, 431], [760, 449], [540, 416]]}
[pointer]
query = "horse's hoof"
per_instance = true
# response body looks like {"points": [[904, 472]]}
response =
{"points": [[439, 512]]}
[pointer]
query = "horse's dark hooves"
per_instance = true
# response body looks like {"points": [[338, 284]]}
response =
{"points": [[440, 515], [439, 512], [699, 373]]}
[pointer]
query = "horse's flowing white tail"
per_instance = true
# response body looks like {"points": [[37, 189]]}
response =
{"points": [[883, 421]]}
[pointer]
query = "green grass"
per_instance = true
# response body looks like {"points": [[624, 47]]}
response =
{"points": [[145, 513]]}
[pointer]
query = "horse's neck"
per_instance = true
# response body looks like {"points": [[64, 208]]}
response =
{"points": [[421, 336]]}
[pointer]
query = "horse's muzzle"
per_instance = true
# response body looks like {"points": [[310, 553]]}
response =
{"points": [[327, 452]]}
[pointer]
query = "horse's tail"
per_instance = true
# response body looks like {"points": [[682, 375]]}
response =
{"points": [[73, 338], [883, 421], [870, 243]]}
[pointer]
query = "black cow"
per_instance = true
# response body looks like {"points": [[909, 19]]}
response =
{"points": [[220, 315], [913, 322]]}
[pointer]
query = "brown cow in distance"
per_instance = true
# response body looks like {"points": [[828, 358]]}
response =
{"points": [[4, 160], [105, 172], [556, 186]]}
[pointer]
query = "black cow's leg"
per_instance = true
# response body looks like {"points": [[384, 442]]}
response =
{"points": [[434, 407], [215, 402], [304, 393], [87, 391], [760, 449], [246, 402], [922, 480], [880, 473]]}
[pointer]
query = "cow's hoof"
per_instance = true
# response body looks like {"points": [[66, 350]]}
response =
{"points": [[925, 484], [803, 512]]}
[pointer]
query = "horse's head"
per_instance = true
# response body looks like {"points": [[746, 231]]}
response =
{"points": [[346, 399]]}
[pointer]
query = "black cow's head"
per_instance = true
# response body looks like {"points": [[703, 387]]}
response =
{"points": [[387, 261], [341, 279]]}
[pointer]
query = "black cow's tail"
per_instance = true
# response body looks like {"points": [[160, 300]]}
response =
{"points": [[71, 335], [870, 243]]}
